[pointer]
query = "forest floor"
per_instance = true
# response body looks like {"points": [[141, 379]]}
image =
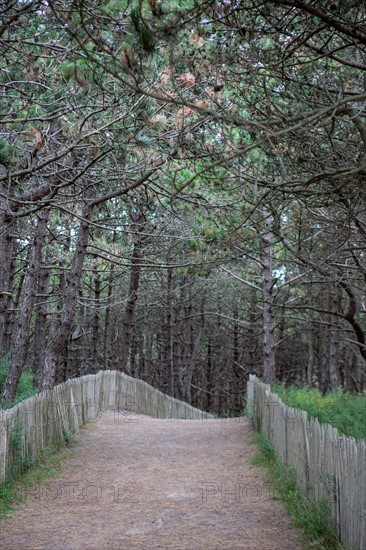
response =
{"points": [[135, 482]]}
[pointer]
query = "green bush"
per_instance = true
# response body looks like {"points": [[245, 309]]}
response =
{"points": [[7, 152], [27, 383], [345, 412]]}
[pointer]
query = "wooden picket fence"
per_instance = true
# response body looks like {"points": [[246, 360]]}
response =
{"points": [[50, 418], [328, 465]]}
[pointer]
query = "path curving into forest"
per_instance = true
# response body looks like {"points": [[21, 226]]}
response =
{"points": [[135, 482]]}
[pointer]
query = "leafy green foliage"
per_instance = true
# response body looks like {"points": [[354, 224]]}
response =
{"points": [[6, 152], [345, 412], [146, 38], [9, 497], [135, 19], [313, 518], [27, 383]]}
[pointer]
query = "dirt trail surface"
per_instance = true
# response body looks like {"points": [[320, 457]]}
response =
{"points": [[135, 482]]}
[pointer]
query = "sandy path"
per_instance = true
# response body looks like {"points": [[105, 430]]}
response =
{"points": [[138, 482]]}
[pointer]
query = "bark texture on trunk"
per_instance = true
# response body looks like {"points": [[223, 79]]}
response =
{"points": [[130, 311], [41, 328], [107, 348], [190, 368], [19, 352], [60, 338], [269, 364], [333, 343], [7, 250]]}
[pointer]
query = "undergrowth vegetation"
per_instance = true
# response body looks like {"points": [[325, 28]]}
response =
{"points": [[25, 473], [313, 518], [27, 384], [47, 464], [342, 410]]}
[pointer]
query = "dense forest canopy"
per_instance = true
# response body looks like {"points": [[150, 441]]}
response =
{"points": [[182, 193]]}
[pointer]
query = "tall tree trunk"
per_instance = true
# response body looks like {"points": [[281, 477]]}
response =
{"points": [[129, 320], [130, 311], [358, 375], [333, 345], [11, 318], [7, 246], [80, 337], [217, 364], [269, 364], [145, 364], [323, 360], [59, 340], [194, 355], [40, 333], [311, 341], [170, 326], [107, 336], [237, 373], [329, 370], [209, 377], [162, 358], [19, 351], [250, 333]]}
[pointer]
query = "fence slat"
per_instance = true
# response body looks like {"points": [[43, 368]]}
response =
{"points": [[327, 464]]}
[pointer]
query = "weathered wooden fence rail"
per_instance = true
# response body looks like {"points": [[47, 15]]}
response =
{"points": [[328, 465], [49, 418]]}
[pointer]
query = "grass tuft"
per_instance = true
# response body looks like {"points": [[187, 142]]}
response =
{"points": [[313, 518], [48, 464]]}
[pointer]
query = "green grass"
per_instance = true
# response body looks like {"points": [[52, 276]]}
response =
{"points": [[48, 464], [312, 518], [27, 383], [345, 412], [24, 474]]}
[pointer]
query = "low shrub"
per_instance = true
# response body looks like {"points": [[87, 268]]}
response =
{"points": [[342, 410]]}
